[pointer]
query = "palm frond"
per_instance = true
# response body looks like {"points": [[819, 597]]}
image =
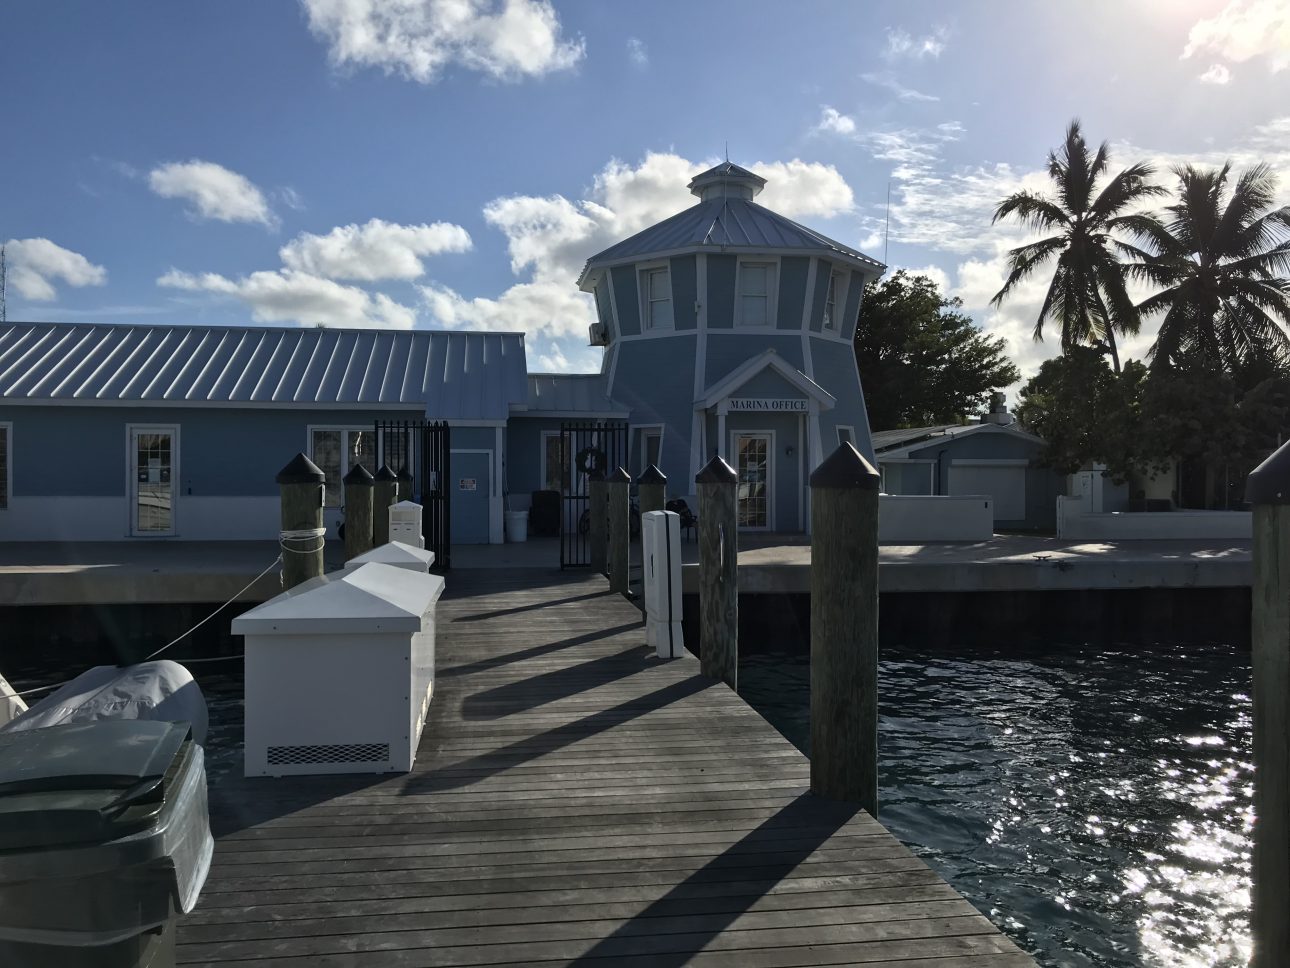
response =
{"points": [[1024, 260], [1032, 210]]}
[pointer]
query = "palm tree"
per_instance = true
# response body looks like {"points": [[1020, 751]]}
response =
{"points": [[1221, 258], [1087, 292]]}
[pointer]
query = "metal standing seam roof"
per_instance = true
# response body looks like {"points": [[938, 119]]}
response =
{"points": [[726, 221], [570, 393], [884, 439], [454, 375]]}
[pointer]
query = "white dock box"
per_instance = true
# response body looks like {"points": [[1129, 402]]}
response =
{"points": [[398, 554], [405, 524], [661, 544], [340, 673]]}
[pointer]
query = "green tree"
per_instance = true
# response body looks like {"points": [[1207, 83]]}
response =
{"points": [[1220, 257], [1087, 292], [921, 360], [1085, 412]]}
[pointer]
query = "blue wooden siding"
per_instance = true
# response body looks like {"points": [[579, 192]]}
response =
{"points": [[793, 270], [654, 380], [834, 368], [728, 351], [769, 383], [603, 311], [628, 300], [685, 291], [721, 291]]}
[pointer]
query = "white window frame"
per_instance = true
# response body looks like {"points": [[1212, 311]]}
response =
{"points": [[132, 480], [772, 292], [643, 432], [643, 275], [345, 430], [7, 427], [851, 434], [838, 289], [770, 473]]}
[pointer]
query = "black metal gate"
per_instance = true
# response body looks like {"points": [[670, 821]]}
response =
{"points": [[586, 448], [424, 449]]}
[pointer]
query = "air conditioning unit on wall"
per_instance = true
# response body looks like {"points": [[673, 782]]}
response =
{"points": [[596, 334]]}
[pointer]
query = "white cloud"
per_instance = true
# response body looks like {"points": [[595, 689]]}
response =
{"points": [[935, 273], [419, 39], [287, 295], [1242, 30], [212, 191], [551, 237], [887, 81], [637, 52], [553, 361], [834, 122], [373, 251], [34, 265], [1217, 74], [900, 43]]}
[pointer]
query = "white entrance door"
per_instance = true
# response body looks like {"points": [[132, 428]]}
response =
{"points": [[154, 471], [753, 464]]}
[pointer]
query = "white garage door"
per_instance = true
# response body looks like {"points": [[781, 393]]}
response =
{"points": [[1004, 481]]}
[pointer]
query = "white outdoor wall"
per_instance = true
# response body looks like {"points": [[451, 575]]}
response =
{"points": [[1074, 520], [913, 519]]}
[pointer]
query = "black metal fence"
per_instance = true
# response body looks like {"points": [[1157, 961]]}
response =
{"points": [[424, 449], [586, 448]]}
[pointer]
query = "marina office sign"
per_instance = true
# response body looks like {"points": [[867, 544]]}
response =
{"points": [[766, 405]]}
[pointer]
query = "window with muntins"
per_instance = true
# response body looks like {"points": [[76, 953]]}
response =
{"points": [[830, 301], [658, 299], [755, 282], [337, 450]]}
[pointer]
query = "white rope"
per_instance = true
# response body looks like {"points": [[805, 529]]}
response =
{"points": [[303, 534], [276, 561]]}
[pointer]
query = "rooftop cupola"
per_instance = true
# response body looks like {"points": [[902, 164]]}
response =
{"points": [[726, 180]]}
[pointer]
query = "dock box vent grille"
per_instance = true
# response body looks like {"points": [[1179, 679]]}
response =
{"points": [[344, 753]]}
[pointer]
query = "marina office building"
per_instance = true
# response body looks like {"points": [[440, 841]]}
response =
{"points": [[726, 329]]}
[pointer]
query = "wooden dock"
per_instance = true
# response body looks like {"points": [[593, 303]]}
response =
{"points": [[575, 801]]}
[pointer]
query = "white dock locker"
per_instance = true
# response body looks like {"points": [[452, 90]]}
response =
{"points": [[340, 673], [398, 554], [661, 541], [405, 524]]}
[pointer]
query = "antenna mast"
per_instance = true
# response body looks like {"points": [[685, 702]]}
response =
{"points": [[4, 278], [886, 232]]}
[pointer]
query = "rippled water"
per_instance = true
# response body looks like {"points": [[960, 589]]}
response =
{"points": [[1095, 804]]}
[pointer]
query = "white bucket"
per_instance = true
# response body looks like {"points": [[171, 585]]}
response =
{"points": [[517, 526]]}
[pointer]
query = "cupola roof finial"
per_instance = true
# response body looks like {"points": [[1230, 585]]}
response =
{"points": [[726, 179]]}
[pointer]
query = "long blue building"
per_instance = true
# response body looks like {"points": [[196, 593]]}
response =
{"points": [[726, 329]]}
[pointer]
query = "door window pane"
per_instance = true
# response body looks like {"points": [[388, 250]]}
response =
{"points": [[361, 449], [326, 452], [153, 487], [555, 460], [752, 458]]}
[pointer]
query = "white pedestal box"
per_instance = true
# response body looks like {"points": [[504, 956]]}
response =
{"points": [[397, 554], [340, 673], [405, 524], [661, 544]]}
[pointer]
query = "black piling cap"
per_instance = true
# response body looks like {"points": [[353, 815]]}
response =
{"points": [[359, 475], [652, 475], [385, 474], [1269, 483], [405, 473], [716, 471], [846, 468], [619, 476], [301, 470]]}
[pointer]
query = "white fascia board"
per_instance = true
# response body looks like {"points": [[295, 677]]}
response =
{"points": [[833, 254]]}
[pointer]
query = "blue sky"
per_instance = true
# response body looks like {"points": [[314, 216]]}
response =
{"points": [[453, 162]]}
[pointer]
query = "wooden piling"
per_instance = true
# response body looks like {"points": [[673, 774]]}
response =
{"points": [[844, 629], [1268, 490], [618, 506], [302, 487], [651, 490], [385, 493], [598, 511], [718, 572], [359, 485]]}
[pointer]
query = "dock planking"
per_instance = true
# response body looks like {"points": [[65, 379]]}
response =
{"points": [[575, 801]]}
